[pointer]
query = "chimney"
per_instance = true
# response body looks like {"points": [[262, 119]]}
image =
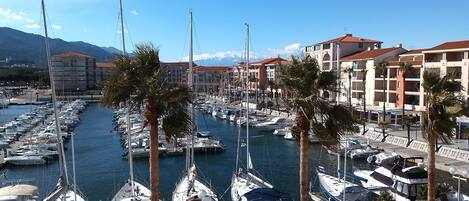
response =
{"points": [[348, 34], [370, 48], [398, 45]]}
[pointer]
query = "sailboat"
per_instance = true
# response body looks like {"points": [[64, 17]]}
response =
{"points": [[190, 187], [132, 189], [244, 184], [63, 190]]}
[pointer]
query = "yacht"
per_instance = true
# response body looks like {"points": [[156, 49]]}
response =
{"points": [[274, 123], [405, 178], [333, 188]]}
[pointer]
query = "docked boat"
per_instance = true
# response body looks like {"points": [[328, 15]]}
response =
{"points": [[190, 187], [282, 131], [363, 153], [25, 160], [377, 159], [274, 123], [19, 192], [289, 136], [333, 188], [405, 178], [244, 184], [132, 191]]}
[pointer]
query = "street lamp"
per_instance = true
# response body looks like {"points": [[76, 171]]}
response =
{"points": [[465, 174]]}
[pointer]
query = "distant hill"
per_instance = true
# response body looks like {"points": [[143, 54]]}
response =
{"points": [[112, 50], [21, 47]]}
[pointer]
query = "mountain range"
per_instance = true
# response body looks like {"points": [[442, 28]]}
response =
{"points": [[26, 48]]}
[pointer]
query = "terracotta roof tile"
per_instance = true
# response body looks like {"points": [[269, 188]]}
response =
{"points": [[414, 51], [451, 45], [72, 54], [368, 54], [349, 38]]}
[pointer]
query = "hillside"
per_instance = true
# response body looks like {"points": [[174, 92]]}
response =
{"points": [[26, 48]]}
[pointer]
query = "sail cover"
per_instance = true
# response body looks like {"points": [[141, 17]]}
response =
{"points": [[266, 194]]}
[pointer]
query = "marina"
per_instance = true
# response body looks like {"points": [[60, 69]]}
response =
{"points": [[101, 169]]}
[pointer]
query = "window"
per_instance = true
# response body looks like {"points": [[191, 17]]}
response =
{"points": [[360, 45], [326, 46]]}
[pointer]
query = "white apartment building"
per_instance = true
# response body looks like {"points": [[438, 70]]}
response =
{"points": [[366, 79]]}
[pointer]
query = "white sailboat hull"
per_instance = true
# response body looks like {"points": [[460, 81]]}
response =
{"points": [[25, 160], [71, 196], [142, 193], [184, 192]]}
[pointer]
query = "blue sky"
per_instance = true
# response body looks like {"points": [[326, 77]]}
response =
{"points": [[277, 27]]}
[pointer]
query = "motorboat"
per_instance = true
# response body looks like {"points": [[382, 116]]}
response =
{"points": [[404, 178], [274, 123], [282, 131], [377, 159], [363, 153], [289, 136]]}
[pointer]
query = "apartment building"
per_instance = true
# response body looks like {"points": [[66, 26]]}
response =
{"points": [[213, 79], [103, 72], [73, 72], [366, 81], [329, 52], [176, 72], [260, 73]]}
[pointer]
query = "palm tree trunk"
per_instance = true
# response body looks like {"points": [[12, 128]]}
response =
{"points": [[154, 155], [431, 168], [403, 99], [303, 123]]}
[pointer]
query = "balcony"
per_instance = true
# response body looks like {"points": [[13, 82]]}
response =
{"points": [[432, 64], [454, 63]]}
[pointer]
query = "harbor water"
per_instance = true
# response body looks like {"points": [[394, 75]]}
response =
{"points": [[101, 170]]}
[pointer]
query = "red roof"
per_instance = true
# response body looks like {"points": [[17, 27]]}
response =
{"points": [[177, 64], [269, 61], [368, 54], [72, 54], [451, 45], [415, 51], [105, 65], [212, 68], [349, 38]]}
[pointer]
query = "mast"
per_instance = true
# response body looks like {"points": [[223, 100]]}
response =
{"points": [[127, 114], [248, 157], [191, 88], [60, 148]]}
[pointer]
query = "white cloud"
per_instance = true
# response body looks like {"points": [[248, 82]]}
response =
{"points": [[57, 27], [9, 14], [22, 13], [32, 26], [134, 12], [218, 56], [29, 20], [294, 48]]}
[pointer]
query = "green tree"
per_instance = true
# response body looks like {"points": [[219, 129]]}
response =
{"points": [[139, 82], [404, 67], [304, 81], [408, 121], [443, 105], [382, 69]]}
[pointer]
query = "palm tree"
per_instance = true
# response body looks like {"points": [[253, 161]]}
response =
{"points": [[443, 105], [140, 83], [349, 72], [408, 121], [404, 67], [383, 69], [304, 81]]}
